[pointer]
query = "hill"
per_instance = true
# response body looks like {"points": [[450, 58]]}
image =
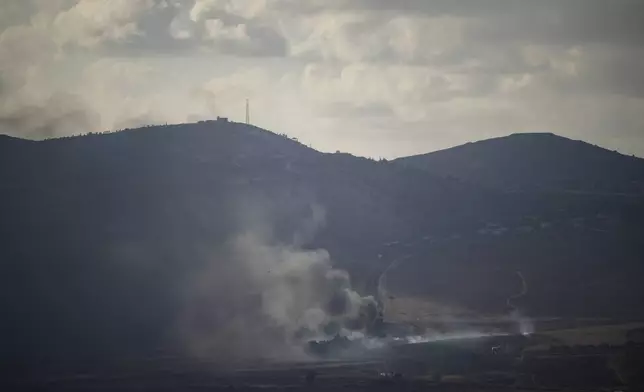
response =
{"points": [[104, 236], [537, 162], [576, 210]]}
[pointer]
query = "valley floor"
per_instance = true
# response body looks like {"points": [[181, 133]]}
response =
{"points": [[338, 378]]}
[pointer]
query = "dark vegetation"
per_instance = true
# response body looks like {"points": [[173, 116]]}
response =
{"points": [[574, 212], [537, 162], [100, 233], [569, 271]]}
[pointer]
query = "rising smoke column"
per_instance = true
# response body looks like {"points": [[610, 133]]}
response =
{"points": [[259, 298], [525, 325]]}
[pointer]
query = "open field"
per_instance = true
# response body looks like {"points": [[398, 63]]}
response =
{"points": [[462, 364], [485, 363], [595, 335], [329, 377]]}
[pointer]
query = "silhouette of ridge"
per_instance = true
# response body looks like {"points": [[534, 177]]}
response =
{"points": [[536, 161]]}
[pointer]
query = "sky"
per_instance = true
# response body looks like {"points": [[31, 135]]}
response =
{"points": [[376, 78]]}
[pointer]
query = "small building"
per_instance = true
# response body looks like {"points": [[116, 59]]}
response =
{"points": [[222, 119]]}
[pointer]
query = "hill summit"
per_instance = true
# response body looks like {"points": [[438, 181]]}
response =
{"points": [[536, 161]]}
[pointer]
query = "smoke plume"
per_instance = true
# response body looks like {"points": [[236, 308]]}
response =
{"points": [[261, 299]]}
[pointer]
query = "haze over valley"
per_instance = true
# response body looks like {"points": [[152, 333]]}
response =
{"points": [[165, 236], [329, 194]]}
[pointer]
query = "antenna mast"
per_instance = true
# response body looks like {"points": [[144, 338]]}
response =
{"points": [[247, 113]]}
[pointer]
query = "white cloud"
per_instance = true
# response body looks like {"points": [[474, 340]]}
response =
{"points": [[413, 75], [90, 22], [217, 31], [247, 9], [23, 48], [358, 37]]}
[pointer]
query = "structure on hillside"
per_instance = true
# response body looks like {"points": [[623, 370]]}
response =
{"points": [[247, 113], [222, 119]]}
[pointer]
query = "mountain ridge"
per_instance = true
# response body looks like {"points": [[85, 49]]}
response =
{"points": [[100, 232], [535, 161]]}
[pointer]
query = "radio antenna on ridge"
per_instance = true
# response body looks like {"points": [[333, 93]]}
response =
{"points": [[247, 112]]}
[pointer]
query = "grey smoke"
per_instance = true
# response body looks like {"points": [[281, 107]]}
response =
{"points": [[263, 299], [59, 115], [28, 107]]}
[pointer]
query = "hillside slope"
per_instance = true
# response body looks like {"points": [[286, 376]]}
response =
{"points": [[577, 214], [101, 234], [529, 162]]}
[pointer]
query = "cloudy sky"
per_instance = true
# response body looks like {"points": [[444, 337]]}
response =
{"points": [[380, 78]]}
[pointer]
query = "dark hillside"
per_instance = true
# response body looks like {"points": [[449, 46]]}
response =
{"points": [[100, 233], [543, 162], [573, 211]]}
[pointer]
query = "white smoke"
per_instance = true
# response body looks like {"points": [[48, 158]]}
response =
{"points": [[524, 325], [259, 299]]}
